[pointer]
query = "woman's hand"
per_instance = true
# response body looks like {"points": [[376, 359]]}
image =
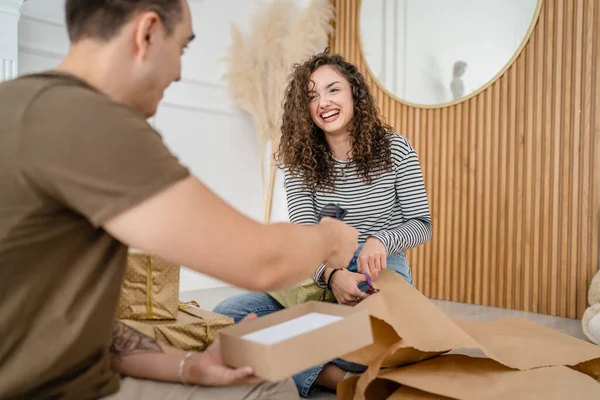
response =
{"points": [[372, 258], [209, 369], [344, 285]]}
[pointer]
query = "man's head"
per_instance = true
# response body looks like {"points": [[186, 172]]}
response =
{"points": [[130, 49]]}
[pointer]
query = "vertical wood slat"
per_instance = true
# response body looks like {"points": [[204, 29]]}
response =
{"points": [[479, 215], [440, 205], [447, 219], [419, 127], [575, 206], [512, 173], [537, 69], [589, 236], [557, 117], [594, 143], [493, 190], [429, 167], [546, 172], [566, 195], [435, 150], [503, 249], [487, 219], [470, 172], [456, 194], [511, 149], [530, 150], [520, 179]]}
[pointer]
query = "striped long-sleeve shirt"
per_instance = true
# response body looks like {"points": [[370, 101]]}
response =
{"points": [[392, 208]]}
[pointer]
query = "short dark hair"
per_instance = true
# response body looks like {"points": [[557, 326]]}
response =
{"points": [[102, 19]]}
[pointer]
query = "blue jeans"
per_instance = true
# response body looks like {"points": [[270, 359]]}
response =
{"points": [[262, 304]]}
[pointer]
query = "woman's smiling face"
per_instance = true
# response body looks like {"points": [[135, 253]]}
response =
{"points": [[331, 103]]}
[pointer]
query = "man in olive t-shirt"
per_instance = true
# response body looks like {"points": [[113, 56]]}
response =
{"points": [[82, 177], [63, 171]]}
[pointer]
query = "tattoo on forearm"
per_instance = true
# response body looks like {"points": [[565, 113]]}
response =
{"points": [[128, 341]]}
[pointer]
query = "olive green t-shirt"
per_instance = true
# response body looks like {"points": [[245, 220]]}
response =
{"points": [[70, 159]]}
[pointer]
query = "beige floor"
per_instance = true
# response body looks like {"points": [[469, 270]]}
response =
{"points": [[211, 297]]}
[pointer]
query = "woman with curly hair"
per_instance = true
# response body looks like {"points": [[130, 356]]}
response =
{"points": [[336, 149]]}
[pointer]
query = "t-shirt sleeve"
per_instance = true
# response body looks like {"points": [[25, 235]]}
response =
{"points": [[91, 154]]}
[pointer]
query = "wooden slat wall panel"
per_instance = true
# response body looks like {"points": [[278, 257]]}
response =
{"points": [[512, 173]]}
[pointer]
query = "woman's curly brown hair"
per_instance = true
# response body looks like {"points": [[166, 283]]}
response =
{"points": [[303, 148]]}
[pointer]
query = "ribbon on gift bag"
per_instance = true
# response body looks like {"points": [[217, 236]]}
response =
{"points": [[149, 313], [150, 289]]}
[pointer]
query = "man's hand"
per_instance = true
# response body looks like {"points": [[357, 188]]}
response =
{"points": [[372, 258], [140, 356], [347, 242], [209, 369], [344, 285]]}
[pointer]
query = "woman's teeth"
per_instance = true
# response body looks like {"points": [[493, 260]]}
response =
{"points": [[329, 114]]}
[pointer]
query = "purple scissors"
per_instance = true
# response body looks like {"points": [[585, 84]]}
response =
{"points": [[370, 289]]}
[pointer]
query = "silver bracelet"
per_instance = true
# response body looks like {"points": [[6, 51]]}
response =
{"points": [[181, 364]]}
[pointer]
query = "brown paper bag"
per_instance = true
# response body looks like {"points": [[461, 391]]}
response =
{"points": [[193, 330], [150, 290], [408, 328], [591, 368], [462, 377], [406, 392]]}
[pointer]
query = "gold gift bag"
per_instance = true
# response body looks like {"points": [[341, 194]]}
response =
{"points": [[193, 330], [150, 290], [306, 291]]}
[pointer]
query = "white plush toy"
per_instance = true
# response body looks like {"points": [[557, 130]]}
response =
{"points": [[591, 317]]}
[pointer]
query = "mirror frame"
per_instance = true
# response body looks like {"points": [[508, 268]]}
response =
{"points": [[510, 62]]}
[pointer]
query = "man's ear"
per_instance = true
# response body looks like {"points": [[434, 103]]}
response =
{"points": [[147, 27]]}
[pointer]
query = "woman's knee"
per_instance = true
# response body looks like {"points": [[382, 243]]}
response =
{"points": [[227, 307], [238, 307], [399, 263]]}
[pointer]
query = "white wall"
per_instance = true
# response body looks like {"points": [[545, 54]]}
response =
{"points": [[9, 16], [411, 45], [196, 118]]}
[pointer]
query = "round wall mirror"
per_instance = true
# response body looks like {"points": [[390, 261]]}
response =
{"points": [[433, 53]]}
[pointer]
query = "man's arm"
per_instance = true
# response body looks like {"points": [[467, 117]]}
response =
{"points": [[144, 197], [132, 350], [190, 225], [128, 341], [140, 356]]}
